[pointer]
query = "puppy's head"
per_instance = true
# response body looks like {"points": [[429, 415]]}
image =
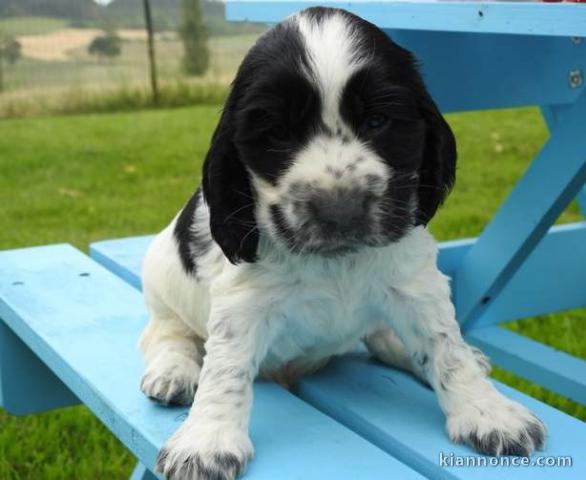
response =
{"points": [[328, 142]]}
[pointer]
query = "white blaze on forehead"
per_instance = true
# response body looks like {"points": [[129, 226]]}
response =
{"points": [[332, 52]]}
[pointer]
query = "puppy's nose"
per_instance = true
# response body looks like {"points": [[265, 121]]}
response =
{"points": [[341, 209]]}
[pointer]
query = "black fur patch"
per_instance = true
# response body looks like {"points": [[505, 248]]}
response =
{"points": [[281, 108], [223, 466], [191, 243], [499, 443]]}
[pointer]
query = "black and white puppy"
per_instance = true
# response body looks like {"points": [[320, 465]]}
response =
{"points": [[308, 235]]}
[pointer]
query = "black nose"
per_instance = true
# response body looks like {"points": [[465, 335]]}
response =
{"points": [[340, 209]]}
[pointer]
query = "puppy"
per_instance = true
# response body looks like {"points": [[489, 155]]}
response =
{"points": [[307, 235]]}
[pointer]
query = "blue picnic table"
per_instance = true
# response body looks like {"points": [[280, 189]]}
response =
{"points": [[69, 323]]}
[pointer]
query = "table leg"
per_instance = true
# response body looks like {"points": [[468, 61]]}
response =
{"points": [[551, 114], [26, 383], [142, 473], [554, 179]]}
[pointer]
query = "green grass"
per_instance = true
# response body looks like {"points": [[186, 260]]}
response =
{"points": [[31, 25], [82, 178], [118, 99]]}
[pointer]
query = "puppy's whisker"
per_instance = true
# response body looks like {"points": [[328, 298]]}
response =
{"points": [[248, 205]]}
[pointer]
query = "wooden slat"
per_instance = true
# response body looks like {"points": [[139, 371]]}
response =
{"points": [[551, 279], [401, 416], [84, 322], [397, 413], [532, 18], [550, 183], [539, 363], [123, 258], [494, 70]]}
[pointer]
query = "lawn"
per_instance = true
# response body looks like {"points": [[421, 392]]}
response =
{"points": [[80, 179]]}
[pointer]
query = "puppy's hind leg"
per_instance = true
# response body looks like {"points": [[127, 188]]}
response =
{"points": [[385, 346], [173, 357]]}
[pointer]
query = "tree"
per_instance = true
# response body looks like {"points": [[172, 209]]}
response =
{"points": [[194, 34], [10, 52], [107, 45]]}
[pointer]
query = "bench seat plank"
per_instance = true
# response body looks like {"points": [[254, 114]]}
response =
{"points": [[396, 412], [83, 322]]}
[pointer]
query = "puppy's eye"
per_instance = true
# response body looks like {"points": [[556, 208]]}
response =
{"points": [[375, 121]]}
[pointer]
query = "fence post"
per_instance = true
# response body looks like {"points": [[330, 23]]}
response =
{"points": [[151, 50]]}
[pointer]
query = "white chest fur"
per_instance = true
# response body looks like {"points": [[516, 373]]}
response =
{"points": [[326, 305], [317, 307]]}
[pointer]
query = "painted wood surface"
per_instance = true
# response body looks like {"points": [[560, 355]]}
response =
{"points": [[495, 70], [401, 416], [550, 280], [83, 322], [397, 413], [526, 18], [552, 180], [37, 388], [539, 363]]}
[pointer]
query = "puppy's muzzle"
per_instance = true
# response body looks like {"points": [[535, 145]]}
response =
{"points": [[340, 211]]}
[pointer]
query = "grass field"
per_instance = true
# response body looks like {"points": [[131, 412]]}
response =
{"points": [[79, 69], [27, 25], [56, 77], [80, 179]]}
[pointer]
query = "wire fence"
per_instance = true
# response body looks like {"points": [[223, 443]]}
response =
{"points": [[59, 50]]}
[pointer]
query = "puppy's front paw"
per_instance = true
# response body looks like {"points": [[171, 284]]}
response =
{"points": [[171, 378], [503, 428], [216, 453]]}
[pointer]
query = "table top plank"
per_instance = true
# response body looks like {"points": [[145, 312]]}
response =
{"points": [[521, 18]]}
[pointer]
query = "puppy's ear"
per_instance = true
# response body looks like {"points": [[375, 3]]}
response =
{"points": [[228, 194], [438, 168]]}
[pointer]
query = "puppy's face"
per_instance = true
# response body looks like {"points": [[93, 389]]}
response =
{"points": [[328, 142]]}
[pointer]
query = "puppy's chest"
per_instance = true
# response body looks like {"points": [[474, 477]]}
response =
{"points": [[325, 317]]}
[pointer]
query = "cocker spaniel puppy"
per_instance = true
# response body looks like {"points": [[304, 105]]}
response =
{"points": [[307, 235]]}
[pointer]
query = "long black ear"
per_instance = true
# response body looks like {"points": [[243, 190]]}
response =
{"points": [[228, 194], [438, 169]]}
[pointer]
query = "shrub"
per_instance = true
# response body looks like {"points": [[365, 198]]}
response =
{"points": [[107, 45]]}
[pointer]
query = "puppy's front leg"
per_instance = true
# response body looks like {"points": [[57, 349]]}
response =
{"points": [[213, 441], [477, 413]]}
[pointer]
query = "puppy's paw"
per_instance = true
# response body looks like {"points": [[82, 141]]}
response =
{"points": [[218, 453], [503, 428], [171, 378]]}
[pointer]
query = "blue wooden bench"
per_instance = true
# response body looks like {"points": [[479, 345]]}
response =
{"points": [[69, 323]]}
